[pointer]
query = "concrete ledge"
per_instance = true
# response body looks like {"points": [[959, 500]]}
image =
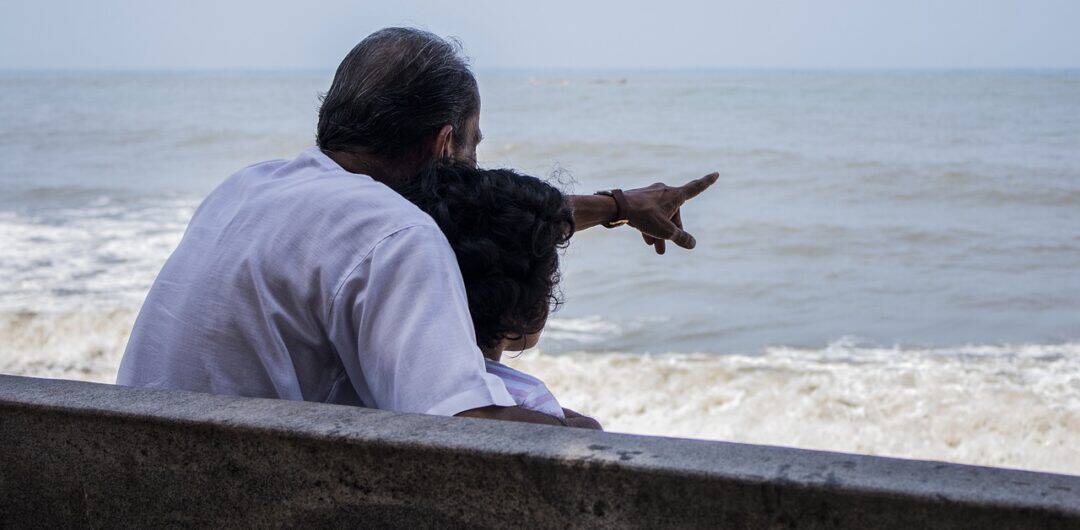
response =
{"points": [[74, 453]]}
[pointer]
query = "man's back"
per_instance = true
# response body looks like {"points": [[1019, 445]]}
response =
{"points": [[298, 280]]}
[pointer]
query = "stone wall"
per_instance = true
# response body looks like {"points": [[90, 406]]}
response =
{"points": [[85, 454]]}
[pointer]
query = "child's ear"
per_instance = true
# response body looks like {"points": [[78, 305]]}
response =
{"points": [[514, 343], [522, 342]]}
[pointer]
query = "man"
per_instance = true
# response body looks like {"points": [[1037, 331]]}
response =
{"points": [[311, 279]]}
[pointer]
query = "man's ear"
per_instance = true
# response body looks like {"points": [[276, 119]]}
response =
{"points": [[443, 146]]}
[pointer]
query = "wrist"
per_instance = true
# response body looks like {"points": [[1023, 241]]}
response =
{"points": [[591, 210], [620, 215]]}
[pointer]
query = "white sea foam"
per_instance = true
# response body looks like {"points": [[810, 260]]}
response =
{"points": [[589, 329], [104, 253], [84, 344], [1014, 406]]}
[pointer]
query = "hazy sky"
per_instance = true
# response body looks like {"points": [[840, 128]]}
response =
{"points": [[291, 34]]}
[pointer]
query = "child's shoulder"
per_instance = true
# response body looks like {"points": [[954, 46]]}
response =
{"points": [[501, 370]]}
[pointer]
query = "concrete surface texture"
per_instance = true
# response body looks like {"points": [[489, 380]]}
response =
{"points": [[74, 453]]}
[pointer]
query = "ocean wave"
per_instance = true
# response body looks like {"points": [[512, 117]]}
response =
{"points": [[1002, 405], [84, 344], [67, 193], [582, 330], [100, 252], [1012, 406], [547, 150]]}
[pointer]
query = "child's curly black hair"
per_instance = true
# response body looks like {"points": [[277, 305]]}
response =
{"points": [[506, 230]]}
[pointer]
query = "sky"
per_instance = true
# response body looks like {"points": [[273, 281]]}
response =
{"points": [[545, 34]]}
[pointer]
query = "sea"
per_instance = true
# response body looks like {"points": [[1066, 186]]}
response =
{"points": [[889, 263]]}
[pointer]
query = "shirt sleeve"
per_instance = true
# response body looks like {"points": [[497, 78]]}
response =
{"points": [[400, 322]]}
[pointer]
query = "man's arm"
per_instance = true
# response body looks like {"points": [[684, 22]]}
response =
{"points": [[653, 210], [575, 419], [401, 325], [591, 210], [519, 414]]}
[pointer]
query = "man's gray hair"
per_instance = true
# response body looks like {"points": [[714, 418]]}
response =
{"points": [[394, 91]]}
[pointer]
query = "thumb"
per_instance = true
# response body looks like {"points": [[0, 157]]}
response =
{"points": [[683, 239], [677, 235]]}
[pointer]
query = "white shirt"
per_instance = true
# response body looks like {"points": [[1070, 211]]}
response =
{"points": [[528, 392], [299, 280]]}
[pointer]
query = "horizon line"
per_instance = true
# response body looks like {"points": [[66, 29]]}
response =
{"points": [[575, 69]]}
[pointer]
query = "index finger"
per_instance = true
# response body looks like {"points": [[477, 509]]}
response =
{"points": [[695, 187]]}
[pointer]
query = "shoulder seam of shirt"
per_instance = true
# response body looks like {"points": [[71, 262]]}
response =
{"points": [[263, 163], [359, 262]]}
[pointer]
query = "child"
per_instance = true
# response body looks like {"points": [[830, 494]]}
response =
{"points": [[506, 230]]}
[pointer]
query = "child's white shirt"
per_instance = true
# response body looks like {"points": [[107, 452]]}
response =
{"points": [[528, 391]]}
